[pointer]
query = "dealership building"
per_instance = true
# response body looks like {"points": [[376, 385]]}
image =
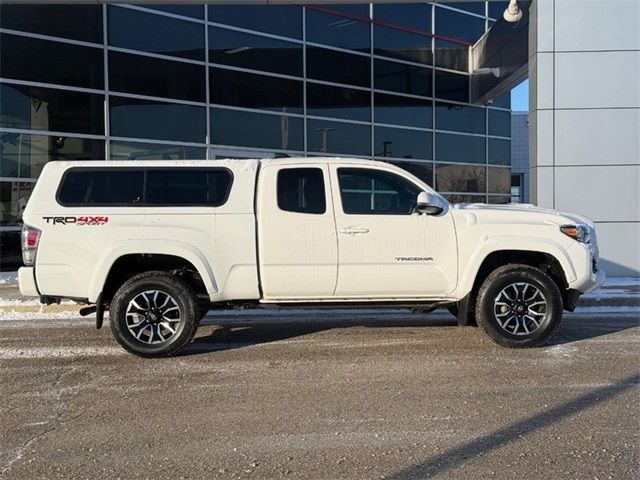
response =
{"points": [[422, 85]]}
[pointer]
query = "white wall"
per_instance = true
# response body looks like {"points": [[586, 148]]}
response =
{"points": [[584, 148]]}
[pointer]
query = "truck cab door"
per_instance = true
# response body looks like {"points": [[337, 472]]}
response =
{"points": [[386, 248], [297, 247]]}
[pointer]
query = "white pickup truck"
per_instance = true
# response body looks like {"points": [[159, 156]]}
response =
{"points": [[158, 244]]}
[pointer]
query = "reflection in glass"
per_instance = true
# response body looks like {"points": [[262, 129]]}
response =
{"points": [[424, 171], [496, 8], [499, 123], [338, 67], [517, 188], [458, 25], [400, 143], [37, 108], [402, 78], [460, 118], [338, 137], [460, 148], [394, 109], [156, 120], [344, 31], [403, 45], [451, 55], [204, 186], [121, 150], [500, 200], [239, 49], [365, 191], [499, 151], [155, 77], [23, 155], [452, 86], [53, 20], [504, 101], [194, 11], [248, 90], [339, 102], [280, 132], [408, 40], [283, 20], [51, 62], [499, 180], [13, 200], [473, 7], [414, 16], [460, 178], [466, 198], [147, 32]]}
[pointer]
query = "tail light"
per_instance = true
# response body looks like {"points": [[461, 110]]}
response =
{"points": [[30, 240]]}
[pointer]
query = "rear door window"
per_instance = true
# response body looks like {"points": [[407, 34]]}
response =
{"points": [[302, 190]]}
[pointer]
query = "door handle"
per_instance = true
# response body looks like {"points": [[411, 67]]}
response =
{"points": [[351, 230]]}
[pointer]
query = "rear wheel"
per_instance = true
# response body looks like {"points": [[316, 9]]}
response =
{"points": [[519, 306], [154, 314]]}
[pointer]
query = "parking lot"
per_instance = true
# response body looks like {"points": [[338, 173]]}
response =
{"points": [[367, 394]]}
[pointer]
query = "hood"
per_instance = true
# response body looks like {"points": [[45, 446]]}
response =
{"points": [[524, 209]]}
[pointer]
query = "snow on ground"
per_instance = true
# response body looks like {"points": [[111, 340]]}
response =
{"points": [[614, 288], [215, 317], [11, 278], [8, 278], [611, 293], [13, 315]]}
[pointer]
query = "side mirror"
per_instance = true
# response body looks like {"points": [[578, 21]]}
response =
{"points": [[429, 204]]}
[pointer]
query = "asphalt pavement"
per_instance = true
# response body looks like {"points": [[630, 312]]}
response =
{"points": [[322, 395]]}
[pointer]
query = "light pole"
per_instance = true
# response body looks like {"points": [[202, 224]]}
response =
{"points": [[324, 131]]}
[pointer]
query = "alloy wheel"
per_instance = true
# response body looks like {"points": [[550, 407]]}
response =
{"points": [[153, 316], [520, 308]]}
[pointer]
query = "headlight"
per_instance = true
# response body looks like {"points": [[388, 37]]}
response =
{"points": [[577, 232]]}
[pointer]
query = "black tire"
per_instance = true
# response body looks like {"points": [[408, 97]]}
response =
{"points": [[515, 328], [179, 295]]}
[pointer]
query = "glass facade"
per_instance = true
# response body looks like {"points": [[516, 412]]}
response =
{"points": [[381, 81]]}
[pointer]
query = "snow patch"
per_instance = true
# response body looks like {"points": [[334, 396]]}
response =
{"points": [[622, 282], [607, 309], [12, 315], [12, 353], [8, 278]]}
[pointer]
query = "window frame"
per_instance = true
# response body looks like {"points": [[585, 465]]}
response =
{"points": [[368, 169], [143, 203], [324, 187]]}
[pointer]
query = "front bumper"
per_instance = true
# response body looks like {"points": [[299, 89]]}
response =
{"points": [[588, 275], [597, 282], [588, 280], [27, 282]]}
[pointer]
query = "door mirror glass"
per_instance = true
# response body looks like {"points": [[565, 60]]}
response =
{"points": [[429, 204]]}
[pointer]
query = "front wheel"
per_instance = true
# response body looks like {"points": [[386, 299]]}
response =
{"points": [[519, 306], [154, 314]]}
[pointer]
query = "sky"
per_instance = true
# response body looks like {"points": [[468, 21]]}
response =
{"points": [[520, 97]]}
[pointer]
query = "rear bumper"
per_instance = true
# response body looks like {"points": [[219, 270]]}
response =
{"points": [[27, 282]]}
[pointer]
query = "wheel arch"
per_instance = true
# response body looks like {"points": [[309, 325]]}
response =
{"points": [[548, 256], [541, 260], [125, 261]]}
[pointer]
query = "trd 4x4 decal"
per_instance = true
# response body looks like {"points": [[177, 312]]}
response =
{"points": [[85, 220]]}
